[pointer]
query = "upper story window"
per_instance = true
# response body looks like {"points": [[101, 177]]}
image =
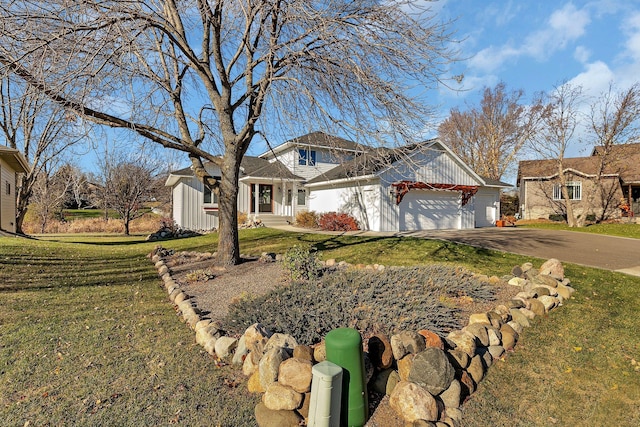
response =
{"points": [[306, 157], [573, 187]]}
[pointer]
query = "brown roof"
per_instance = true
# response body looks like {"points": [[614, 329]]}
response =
{"points": [[624, 161]]}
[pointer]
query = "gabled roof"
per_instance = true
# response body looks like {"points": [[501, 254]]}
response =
{"points": [[250, 166], [624, 162], [317, 140], [378, 159], [15, 159]]}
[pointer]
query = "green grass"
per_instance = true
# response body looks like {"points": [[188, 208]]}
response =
{"points": [[88, 337], [621, 229]]}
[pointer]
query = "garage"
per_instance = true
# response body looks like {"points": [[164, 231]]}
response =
{"points": [[430, 210]]}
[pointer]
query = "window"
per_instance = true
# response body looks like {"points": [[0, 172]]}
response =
{"points": [[7, 188], [306, 157], [210, 197], [573, 187], [289, 196], [302, 197]]}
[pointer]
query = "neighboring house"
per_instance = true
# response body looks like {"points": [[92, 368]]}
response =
{"points": [[618, 193], [12, 164], [425, 186]]}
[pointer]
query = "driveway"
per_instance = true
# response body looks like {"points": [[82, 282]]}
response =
{"points": [[611, 253], [594, 250]]}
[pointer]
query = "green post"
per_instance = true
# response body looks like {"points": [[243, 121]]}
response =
{"points": [[344, 348]]}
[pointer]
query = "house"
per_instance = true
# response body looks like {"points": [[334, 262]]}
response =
{"points": [[618, 193], [12, 164], [424, 186]]}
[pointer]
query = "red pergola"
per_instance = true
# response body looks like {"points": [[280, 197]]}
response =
{"points": [[401, 188]]}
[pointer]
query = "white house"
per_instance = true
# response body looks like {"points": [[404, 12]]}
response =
{"points": [[424, 186]]}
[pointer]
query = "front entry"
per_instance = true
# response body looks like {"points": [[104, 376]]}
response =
{"points": [[265, 198]]}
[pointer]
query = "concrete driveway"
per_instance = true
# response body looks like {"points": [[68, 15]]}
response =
{"points": [[611, 253]]}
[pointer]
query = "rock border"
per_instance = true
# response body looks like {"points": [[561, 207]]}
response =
{"points": [[425, 377]]}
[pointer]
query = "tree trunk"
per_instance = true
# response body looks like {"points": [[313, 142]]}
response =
{"points": [[228, 244], [126, 226], [571, 219]]}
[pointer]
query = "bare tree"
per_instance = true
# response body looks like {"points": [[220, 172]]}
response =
{"points": [[48, 193], [489, 137], [206, 77], [560, 121], [36, 126], [132, 185]]}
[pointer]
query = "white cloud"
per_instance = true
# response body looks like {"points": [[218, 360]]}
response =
{"points": [[582, 54], [565, 25], [595, 79]]}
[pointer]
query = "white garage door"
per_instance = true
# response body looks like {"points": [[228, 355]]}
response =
{"points": [[429, 210], [485, 210]]}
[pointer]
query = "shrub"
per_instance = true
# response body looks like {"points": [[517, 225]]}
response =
{"points": [[333, 221], [242, 218], [558, 218], [301, 263], [390, 301], [307, 219]]}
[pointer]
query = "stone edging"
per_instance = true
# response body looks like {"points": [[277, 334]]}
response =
{"points": [[424, 376]]}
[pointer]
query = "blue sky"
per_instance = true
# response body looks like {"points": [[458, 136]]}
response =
{"points": [[530, 45], [534, 45]]}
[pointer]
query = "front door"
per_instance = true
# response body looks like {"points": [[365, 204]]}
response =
{"points": [[265, 198]]}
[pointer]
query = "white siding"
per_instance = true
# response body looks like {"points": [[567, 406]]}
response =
{"points": [[362, 201], [325, 161], [188, 194], [7, 201], [486, 204]]}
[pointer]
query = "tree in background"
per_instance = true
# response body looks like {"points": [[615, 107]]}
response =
{"points": [[206, 77], [132, 185], [38, 128], [489, 137], [48, 194]]}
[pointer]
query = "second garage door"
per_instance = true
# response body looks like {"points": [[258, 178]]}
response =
{"points": [[429, 210]]}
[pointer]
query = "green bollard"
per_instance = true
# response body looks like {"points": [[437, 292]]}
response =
{"points": [[344, 348]]}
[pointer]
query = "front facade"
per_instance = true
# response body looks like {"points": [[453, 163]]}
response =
{"points": [[322, 173], [616, 195], [12, 164]]}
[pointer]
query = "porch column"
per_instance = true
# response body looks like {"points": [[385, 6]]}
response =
{"points": [[294, 200], [256, 200], [283, 198]]}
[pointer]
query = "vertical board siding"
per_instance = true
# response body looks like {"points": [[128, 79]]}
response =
{"points": [[7, 201], [362, 201]]}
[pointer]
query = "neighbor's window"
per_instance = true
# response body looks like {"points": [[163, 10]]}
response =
{"points": [[289, 196], [7, 188], [573, 187], [302, 197], [306, 157]]}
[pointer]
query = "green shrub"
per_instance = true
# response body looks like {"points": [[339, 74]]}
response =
{"points": [[307, 219], [558, 218], [333, 221], [301, 263], [390, 301]]}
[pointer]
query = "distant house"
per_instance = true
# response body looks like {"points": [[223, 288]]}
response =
{"points": [[12, 164], [424, 186], [618, 194]]}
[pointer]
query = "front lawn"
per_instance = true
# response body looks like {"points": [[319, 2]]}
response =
{"points": [[88, 337]]}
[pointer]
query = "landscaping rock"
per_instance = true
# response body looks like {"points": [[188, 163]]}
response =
{"points": [[517, 271], [451, 396], [241, 351], [545, 280], [458, 359], [479, 318], [516, 326], [549, 302], [284, 341], [406, 342], [270, 364], [464, 341], [479, 330], [431, 339], [412, 402], [303, 352], [404, 366], [432, 370], [552, 267], [537, 307], [296, 373], [565, 291], [476, 368], [320, 352], [249, 366], [509, 336], [279, 397], [496, 351], [253, 384], [495, 337], [225, 345], [517, 281], [256, 337], [467, 384], [266, 417], [519, 317], [303, 410], [379, 381], [495, 319], [380, 351]]}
